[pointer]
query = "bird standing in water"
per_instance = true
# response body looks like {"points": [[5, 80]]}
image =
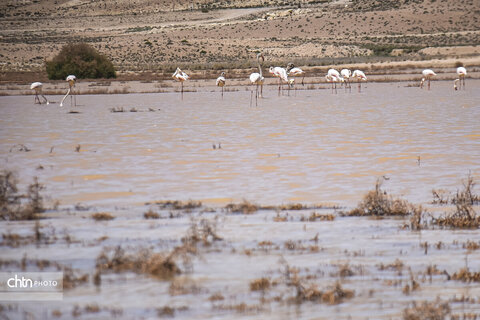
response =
{"points": [[37, 86], [71, 79]]}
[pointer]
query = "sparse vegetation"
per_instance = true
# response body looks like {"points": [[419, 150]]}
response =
{"points": [[378, 203], [437, 310], [15, 206], [102, 216], [464, 216]]}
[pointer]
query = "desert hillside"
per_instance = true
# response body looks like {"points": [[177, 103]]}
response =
{"points": [[155, 36]]}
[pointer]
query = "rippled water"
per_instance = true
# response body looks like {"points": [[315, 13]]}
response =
{"points": [[311, 147]]}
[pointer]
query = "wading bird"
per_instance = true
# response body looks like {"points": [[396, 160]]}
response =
{"points": [[427, 75], [461, 72], [346, 74], [294, 71], [221, 81], [180, 76], [333, 76], [281, 74], [37, 86], [71, 79], [360, 76], [257, 77]]}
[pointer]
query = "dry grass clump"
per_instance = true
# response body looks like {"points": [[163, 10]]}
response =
{"points": [[314, 216], [15, 206], [71, 279], [261, 284], [378, 203], [150, 214], [178, 205], [142, 262], [245, 207], [466, 276], [471, 245], [102, 216], [333, 295], [427, 311], [464, 216], [205, 231]]}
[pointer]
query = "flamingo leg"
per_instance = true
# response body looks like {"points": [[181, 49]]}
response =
{"points": [[46, 101], [428, 84], [303, 79], [61, 102], [36, 99]]}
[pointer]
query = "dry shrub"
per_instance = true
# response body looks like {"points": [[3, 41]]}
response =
{"points": [[466, 276], [427, 311], [322, 217], [464, 216], [179, 205], [378, 203], [397, 265], [333, 295], [142, 262], [417, 221], [245, 207], [102, 216], [150, 214], [261, 284], [166, 311], [292, 206], [71, 279], [15, 206], [471, 245], [92, 308], [204, 231], [216, 297]]}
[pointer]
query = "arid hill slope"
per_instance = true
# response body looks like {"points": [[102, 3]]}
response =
{"points": [[157, 35]]}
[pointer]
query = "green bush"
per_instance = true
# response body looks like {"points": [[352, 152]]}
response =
{"points": [[81, 60]]}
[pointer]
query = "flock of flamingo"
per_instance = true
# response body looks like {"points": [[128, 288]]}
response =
{"points": [[284, 75]]}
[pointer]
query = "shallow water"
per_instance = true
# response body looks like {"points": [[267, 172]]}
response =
{"points": [[311, 147]]}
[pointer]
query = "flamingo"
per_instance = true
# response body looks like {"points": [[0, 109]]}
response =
{"points": [[281, 74], [427, 75], [294, 71], [333, 76], [462, 72], [360, 76], [221, 81], [257, 78], [346, 74], [37, 86], [180, 76], [71, 79]]}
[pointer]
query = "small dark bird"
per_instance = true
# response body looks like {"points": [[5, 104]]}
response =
{"points": [[77, 148], [214, 146], [418, 160]]}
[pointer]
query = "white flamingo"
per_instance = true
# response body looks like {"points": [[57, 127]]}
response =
{"points": [[257, 78], [427, 75], [461, 72], [71, 79], [360, 76], [221, 81], [281, 74], [333, 76], [347, 74], [295, 71], [180, 76], [37, 86]]}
